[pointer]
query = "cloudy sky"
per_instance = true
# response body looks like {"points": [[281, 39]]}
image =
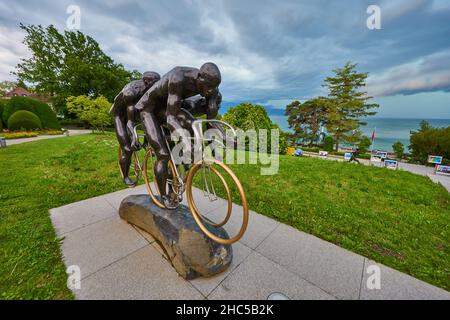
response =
{"points": [[269, 52]]}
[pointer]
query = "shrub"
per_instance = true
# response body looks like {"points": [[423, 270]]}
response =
{"points": [[364, 156], [429, 141], [399, 149], [341, 154], [364, 144], [72, 123], [41, 110], [2, 107], [308, 149], [1, 126], [328, 143], [23, 119], [50, 132], [93, 111]]}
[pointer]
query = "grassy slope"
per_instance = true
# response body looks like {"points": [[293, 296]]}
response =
{"points": [[393, 217], [396, 218]]}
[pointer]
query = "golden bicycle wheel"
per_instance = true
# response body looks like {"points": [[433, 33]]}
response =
{"points": [[217, 166], [229, 202], [135, 171], [172, 181]]}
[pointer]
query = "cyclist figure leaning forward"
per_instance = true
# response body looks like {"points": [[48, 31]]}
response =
{"points": [[162, 103], [125, 118]]}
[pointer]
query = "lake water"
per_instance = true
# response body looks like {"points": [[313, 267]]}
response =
{"points": [[389, 130]]}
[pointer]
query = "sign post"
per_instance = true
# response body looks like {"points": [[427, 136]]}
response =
{"points": [[373, 142], [436, 160]]}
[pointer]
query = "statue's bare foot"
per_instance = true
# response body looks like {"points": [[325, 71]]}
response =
{"points": [[128, 182]]}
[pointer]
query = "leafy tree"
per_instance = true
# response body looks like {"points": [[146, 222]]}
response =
{"points": [[69, 64], [399, 149], [328, 143], [6, 86], [2, 107], [347, 104], [246, 116], [135, 75], [93, 111], [306, 119], [430, 141]]}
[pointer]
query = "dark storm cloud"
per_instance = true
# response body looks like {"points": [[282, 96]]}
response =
{"points": [[266, 50]]}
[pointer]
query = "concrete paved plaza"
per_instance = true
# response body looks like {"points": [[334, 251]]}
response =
{"points": [[118, 261]]}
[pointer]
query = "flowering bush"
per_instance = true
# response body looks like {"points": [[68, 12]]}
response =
{"points": [[19, 134]]}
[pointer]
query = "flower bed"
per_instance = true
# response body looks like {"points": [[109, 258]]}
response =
{"points": [[29, 134]]}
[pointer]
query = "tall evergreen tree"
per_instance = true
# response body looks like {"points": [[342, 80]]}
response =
{"points": [[348, 104]]}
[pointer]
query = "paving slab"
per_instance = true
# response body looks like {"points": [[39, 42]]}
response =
{"points": [[203, 203], [395, 285], [207, 285], [259, 226], [80, 214], [147, 236], [324, 264], [142, 275], [257, 277], [115, 198], [100, 244]]}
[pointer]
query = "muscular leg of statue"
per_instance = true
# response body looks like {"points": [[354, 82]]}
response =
{"points": [[155, 138], [186, 120], [124, 141]]}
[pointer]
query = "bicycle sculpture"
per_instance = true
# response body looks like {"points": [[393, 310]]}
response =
{"points": [[169, 104]]}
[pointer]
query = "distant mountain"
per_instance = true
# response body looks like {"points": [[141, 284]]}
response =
{"points": [[271, 110]]}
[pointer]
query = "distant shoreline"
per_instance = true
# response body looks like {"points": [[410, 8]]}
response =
{"points": [[388, 130]]}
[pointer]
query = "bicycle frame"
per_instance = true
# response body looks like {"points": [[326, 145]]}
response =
{"points": [[197, 127]]}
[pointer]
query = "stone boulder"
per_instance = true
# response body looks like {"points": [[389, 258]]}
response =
{"points": [[190, 251]]}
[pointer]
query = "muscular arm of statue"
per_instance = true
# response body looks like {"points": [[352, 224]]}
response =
{"points": [[212, 109], [173, 108]]}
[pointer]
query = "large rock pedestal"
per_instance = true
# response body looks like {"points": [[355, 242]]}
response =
{"points": [[190, 251]]}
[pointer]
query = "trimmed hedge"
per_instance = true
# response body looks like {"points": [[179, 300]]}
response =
{"points": [[308, 149], [2, 107], [40, 109], [23, 119]]}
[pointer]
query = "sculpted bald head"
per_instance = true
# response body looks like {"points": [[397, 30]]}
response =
{"points": [[209, 78], [150, 77]]}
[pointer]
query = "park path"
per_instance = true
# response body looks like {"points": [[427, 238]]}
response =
{"points": [[72, 132], [413, 168], [119, 261]]}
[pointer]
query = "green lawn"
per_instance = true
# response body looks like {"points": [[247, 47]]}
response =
{"points": [[393, 217]]}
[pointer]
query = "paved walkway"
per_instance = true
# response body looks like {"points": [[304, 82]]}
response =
{"points": [[72, 132], [413, 168], [119, 261]]}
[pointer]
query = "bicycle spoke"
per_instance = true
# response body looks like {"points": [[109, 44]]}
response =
{"points": [[212, 187]]}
